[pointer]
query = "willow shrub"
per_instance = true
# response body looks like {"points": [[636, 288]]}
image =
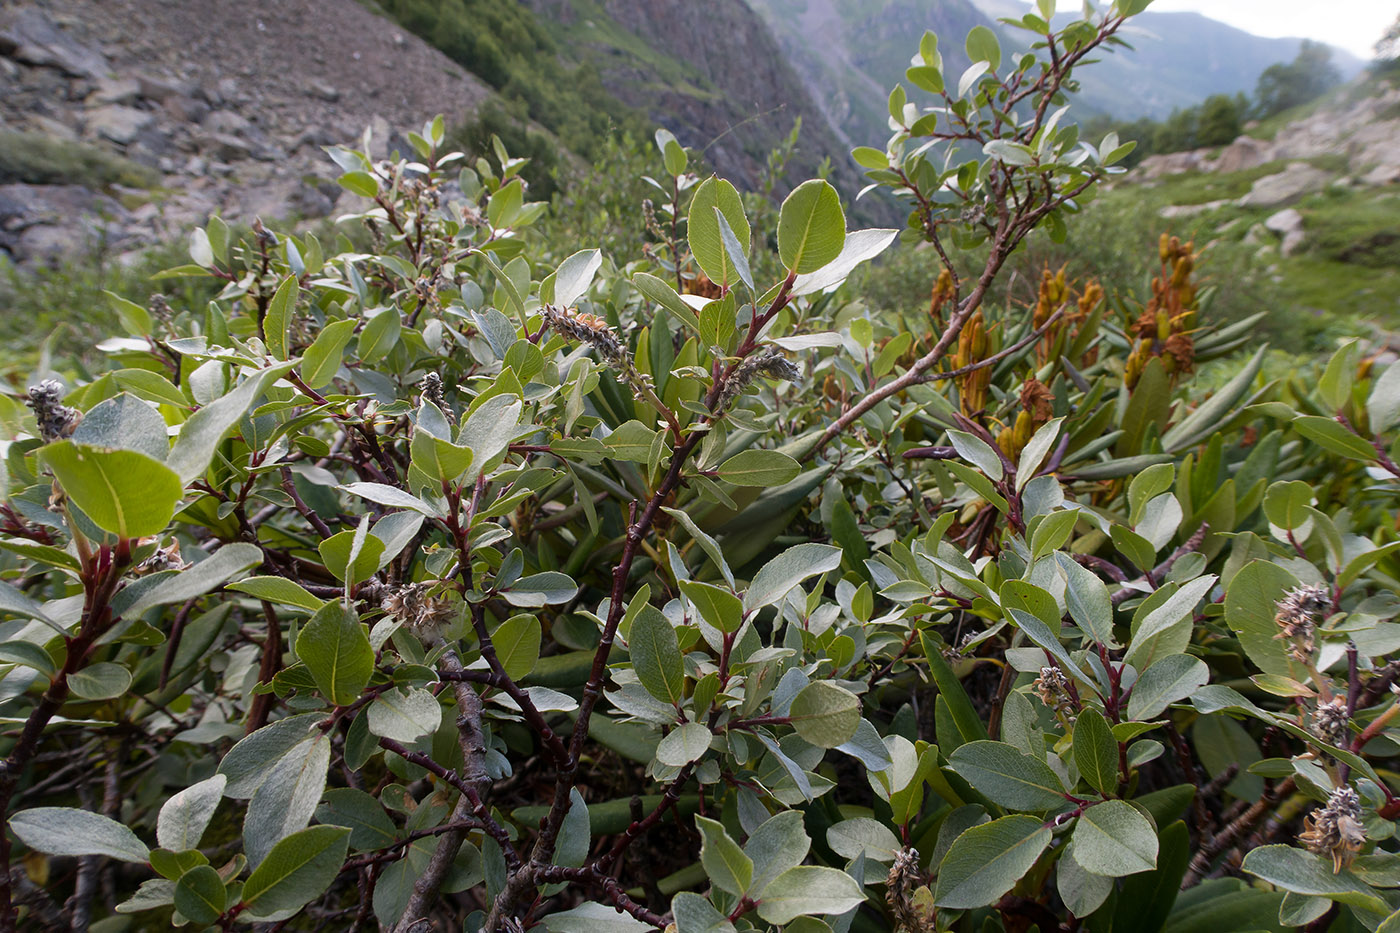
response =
{"points": [[437, 583]]}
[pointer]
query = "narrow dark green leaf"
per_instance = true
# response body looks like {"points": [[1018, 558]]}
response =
{"points": [[1096, 751]]}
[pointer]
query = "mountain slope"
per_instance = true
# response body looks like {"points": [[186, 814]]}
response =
{"points": [[852, 52], [710, 72]]}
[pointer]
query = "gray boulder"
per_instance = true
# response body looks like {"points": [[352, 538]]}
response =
{"points": [[118, 123], [1243, 154], [1288, 224], [1285, 187], [28, 35]]}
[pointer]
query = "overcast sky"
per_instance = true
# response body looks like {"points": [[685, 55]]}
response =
{"points": [[1354, 25]]}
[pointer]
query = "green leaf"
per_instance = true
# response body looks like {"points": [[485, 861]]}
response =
{"points": [[1332, 436], [278, 590], [245, 765], [406, 715], [777, 577], [777, 845], [863, 836], [811, 227], [1211, 414], [370, 827], [66, 831], [286, 797], [1286, 503], [206, 428], [1383, 407], [541, 589], [575, 275], [124, 422], [807, 890], [860, 246], [986, 861], [380, 334], [684, 744], [127, 493], [707, 544], [1166, 628], [1168, 679], [664, 294], [717, 606], [982, 46], [964, 714], [656, 655], [323, 357], [349, 563], [488, 431], [1088, 600], [336, 651], [135, 320], [978, 453], [1221, 742], [1004, 150], [1035, 451], [1007, 776], [593, 917], [825, 714], [28, 654], [101, 681], [200, 250], [298, 869], [1250, 608], [277, 325], [925, 77], [706, 243], [1082, 892], [759, 468], [20, 604], [575, 833], [153, 387], [1113, 839], [1304, 873], [1096, 751], [695, 914], [672, 154], [204, 577], [184, 817], [734, 251], [728, 868], [431, 446], [361, 183], [200, 894], [1039, 633], [517, 642]]}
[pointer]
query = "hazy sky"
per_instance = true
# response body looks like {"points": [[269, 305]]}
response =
{"points": [[1354, 25]]}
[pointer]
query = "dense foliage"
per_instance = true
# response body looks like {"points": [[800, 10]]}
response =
{"points": [[465, 579]]}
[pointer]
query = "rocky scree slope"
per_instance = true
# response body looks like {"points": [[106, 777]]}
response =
{"points": [[223, 107]]}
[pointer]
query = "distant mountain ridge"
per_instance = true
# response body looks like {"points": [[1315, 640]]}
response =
{"points": [[1177, 60], [852, 52]]}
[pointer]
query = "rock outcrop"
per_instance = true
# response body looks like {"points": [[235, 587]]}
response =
{"points": [[1364, 131]]}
